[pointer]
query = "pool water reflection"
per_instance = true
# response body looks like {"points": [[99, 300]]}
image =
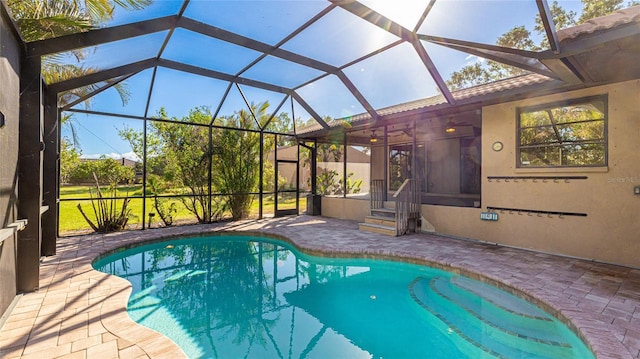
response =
{"points": [[252, 297]]}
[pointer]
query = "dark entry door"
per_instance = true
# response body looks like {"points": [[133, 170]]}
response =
{"points": [[400, 162], [287, 183]]}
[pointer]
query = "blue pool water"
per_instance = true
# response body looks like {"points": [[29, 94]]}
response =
{"points": [[252, 297]]}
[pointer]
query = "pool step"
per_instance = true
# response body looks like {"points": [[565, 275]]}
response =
{"points": [[514, 333], [539, 329], [500, 298]]}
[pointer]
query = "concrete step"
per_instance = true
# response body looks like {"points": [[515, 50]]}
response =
{"points": [[376, 228], [383, 221]]}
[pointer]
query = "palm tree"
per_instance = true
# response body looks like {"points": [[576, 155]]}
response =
{"points": [[43, 19]]}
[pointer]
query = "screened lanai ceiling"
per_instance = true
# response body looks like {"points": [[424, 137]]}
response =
{"points": [[314, 60]]}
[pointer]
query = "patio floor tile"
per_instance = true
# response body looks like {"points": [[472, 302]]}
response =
{"points": [[81, 313]]}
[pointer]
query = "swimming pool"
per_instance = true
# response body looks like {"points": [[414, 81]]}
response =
{"points": [[246, 296]]}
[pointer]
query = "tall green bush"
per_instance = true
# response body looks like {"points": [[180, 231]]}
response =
{"points": [[236, 155], [185, 148]]}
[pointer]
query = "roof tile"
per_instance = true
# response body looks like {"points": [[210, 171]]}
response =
{"points": [[618, 18]]}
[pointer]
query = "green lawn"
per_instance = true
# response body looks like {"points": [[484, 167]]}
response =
{"points": [[71, 219]]}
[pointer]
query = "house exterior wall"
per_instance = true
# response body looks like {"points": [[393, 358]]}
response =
{"points": [[9, 106], [608, 233]]}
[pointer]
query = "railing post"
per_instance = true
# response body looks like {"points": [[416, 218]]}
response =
{"points": [[376, 193]]}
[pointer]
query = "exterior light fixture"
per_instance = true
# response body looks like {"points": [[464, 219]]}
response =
{"points": [[373, 138], [450, 127], [1, 119]]}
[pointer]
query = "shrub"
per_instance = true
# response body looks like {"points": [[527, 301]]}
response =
{"points": [[109, 215]]}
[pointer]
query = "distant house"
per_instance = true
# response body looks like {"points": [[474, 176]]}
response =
{"points": [[358, 163]]}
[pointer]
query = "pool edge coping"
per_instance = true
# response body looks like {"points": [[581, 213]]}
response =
{"points": [[577, 320]]}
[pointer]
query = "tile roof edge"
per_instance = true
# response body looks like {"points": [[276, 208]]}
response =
{"points": [[466, 93], [618, 18]]}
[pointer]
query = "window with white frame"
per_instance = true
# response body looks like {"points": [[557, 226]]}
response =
{"points": [[563, 134]]}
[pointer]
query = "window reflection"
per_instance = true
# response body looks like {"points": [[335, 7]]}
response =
{"points": [[563, 134]]}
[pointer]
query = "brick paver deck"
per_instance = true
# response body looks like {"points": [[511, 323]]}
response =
{"points": [[80, 313]]}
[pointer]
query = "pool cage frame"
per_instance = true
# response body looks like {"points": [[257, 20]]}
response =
{"points": [[261, 193], [39, 128]]}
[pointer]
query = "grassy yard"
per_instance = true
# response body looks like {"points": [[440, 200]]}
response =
{"points": [[71, 220]]}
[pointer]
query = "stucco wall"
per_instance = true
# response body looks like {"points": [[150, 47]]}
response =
{"points": [[345, 208], [608, 233], [9, 106]]}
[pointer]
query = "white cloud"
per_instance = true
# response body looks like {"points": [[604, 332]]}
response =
{"points": [[473, 59], [116, 156]]}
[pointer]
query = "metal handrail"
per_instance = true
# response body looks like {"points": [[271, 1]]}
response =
{"points": [[407, 205]]}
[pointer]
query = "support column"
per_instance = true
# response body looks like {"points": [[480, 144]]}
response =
{"points": [[385, 145], [50, 174], [30, 174], [345, 180], [261, 184], [275, 175], [314, 167]]}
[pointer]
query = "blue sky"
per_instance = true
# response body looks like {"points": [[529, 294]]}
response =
{"points": [[387, 79]]}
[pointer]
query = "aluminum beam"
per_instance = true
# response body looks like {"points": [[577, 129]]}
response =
{"points": [[100, 36], [309, 109], [405, 34], [526, 60], [354, 90], [221, 76], [549, 25], [100, 76], [252, 44]]}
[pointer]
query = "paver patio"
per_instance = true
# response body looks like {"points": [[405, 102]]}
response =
{"points": [[80, 313]]}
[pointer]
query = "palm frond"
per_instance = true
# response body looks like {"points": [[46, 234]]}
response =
{"points": [[56, 72], [123, 91], [133, 4], [99, 10], [40, 20]]}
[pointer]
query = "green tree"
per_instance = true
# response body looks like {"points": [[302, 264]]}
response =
{"points": [[185, 149], [156, 162], [470, 75], [69, 160], [43, 19], [561, 18], [596, 8], [236, 155], [182, 150], [165, 207], [106, 171], [520, 38], [563, 135]]}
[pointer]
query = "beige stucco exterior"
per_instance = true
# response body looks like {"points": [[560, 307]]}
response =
{"points": [[609, 232], [345, 208]]}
